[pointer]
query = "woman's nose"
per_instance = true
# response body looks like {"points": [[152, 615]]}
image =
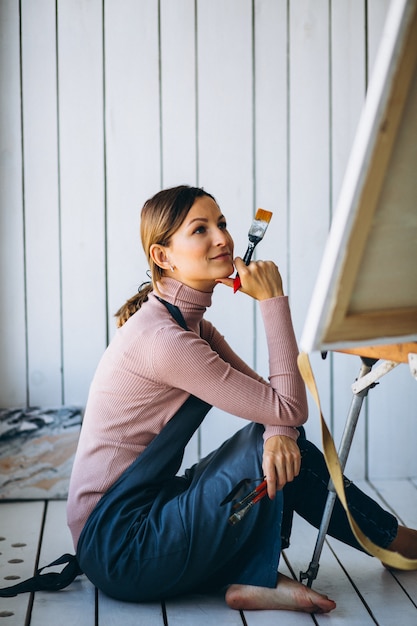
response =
{"points": [[222, 238]]}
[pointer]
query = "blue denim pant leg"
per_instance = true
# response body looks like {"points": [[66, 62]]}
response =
{"points": [[248, 552], [307, 496]]}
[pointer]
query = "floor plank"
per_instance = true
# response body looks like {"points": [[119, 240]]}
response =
{"points": [[20, 527], [76, 603], [385, 594], [402, 498], [114, 613], [385, 599], [210, 610]]}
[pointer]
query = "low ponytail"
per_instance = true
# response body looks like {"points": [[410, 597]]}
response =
{"points": [[133, 304]]}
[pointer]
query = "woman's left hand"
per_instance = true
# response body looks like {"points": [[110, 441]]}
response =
{"points": [[281, 462]]}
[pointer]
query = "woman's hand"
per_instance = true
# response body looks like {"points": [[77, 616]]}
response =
{"points": [[260, 279], [281, 462]]}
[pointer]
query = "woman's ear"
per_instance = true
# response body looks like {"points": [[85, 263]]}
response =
{"points": [[158, 256]]}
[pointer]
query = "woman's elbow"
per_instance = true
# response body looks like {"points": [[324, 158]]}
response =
{"points": [[300, 412]]}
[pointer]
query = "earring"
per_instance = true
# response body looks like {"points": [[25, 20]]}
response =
{"points": [[171, 268]]}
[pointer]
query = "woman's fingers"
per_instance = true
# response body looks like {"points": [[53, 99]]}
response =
{"points": [[281, 462], [259, 279]]}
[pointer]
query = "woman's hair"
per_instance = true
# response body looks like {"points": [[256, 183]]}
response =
{"points": [[161, 217]]}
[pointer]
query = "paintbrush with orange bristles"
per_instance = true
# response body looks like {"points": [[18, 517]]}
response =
{"points": [[255, 235]]}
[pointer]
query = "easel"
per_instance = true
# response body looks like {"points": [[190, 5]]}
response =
{"points": [[366, 288], [393, 355]]}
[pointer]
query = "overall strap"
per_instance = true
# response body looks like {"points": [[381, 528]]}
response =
{"points": [[47, 582], [175, 312]]}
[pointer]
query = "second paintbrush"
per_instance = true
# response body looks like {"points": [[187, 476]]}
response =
{"points": [[255, 235]]}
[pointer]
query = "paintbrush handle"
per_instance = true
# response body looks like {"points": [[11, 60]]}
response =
{"points": [[249, 252], [236, 283], [246, 259]]}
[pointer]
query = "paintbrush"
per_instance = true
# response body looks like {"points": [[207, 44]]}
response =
{"points": [[243, 507], [238, 516], [255, 235]]}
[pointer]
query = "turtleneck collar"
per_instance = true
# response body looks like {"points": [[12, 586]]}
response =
{"points": [[191, 302]]}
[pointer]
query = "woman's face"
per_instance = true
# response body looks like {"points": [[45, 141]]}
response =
{"points": [[201, 250]]}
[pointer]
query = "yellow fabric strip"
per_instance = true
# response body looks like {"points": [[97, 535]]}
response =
{"points": [[392, 559]]}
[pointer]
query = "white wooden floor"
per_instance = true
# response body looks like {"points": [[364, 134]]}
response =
{"points": [[364, 591]]}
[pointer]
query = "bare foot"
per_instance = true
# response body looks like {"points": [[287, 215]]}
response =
{"points": [[405, 543], [288, 595]]}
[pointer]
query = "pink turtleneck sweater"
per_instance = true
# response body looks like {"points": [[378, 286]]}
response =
{"points": [[152, 366]]}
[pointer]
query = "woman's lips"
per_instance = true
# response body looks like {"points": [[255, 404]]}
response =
{"points": [[226, 256]]}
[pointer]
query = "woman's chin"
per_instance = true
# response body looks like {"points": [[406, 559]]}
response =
{"points": [[229, 272], [225, 276]]}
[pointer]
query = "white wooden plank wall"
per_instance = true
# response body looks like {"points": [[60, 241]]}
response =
{"points": [[104, 102]]}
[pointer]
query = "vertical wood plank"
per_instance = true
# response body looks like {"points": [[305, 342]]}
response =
{"points": [[178, 90], [348, 75], [393, 425], [225, 158], [132, 139], [309, 185], [377, 13], [80, 68], [39, 91], [12, 300], [271, 143]]}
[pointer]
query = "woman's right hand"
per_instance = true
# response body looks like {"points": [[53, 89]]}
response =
{"points": [[260, 279], [281, 462]]}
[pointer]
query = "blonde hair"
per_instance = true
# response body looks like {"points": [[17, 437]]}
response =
{"points": [[161, 216]]}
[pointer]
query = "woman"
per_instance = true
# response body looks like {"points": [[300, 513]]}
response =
{"points": [[143, 533]]}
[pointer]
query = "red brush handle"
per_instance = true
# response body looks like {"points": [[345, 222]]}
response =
{"points": [[261, 492], [259, 497], [236, 283], [262, 486], [246, 259]]}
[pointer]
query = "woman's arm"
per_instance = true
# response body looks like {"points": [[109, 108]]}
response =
{"points": [[223, 349], [220, 345], [184, 360]]}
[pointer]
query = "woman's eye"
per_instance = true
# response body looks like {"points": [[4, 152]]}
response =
{"points": [[203, 228]]}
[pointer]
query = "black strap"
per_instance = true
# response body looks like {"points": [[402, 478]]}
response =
{"points": [[175, 312], [52, 581]]}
